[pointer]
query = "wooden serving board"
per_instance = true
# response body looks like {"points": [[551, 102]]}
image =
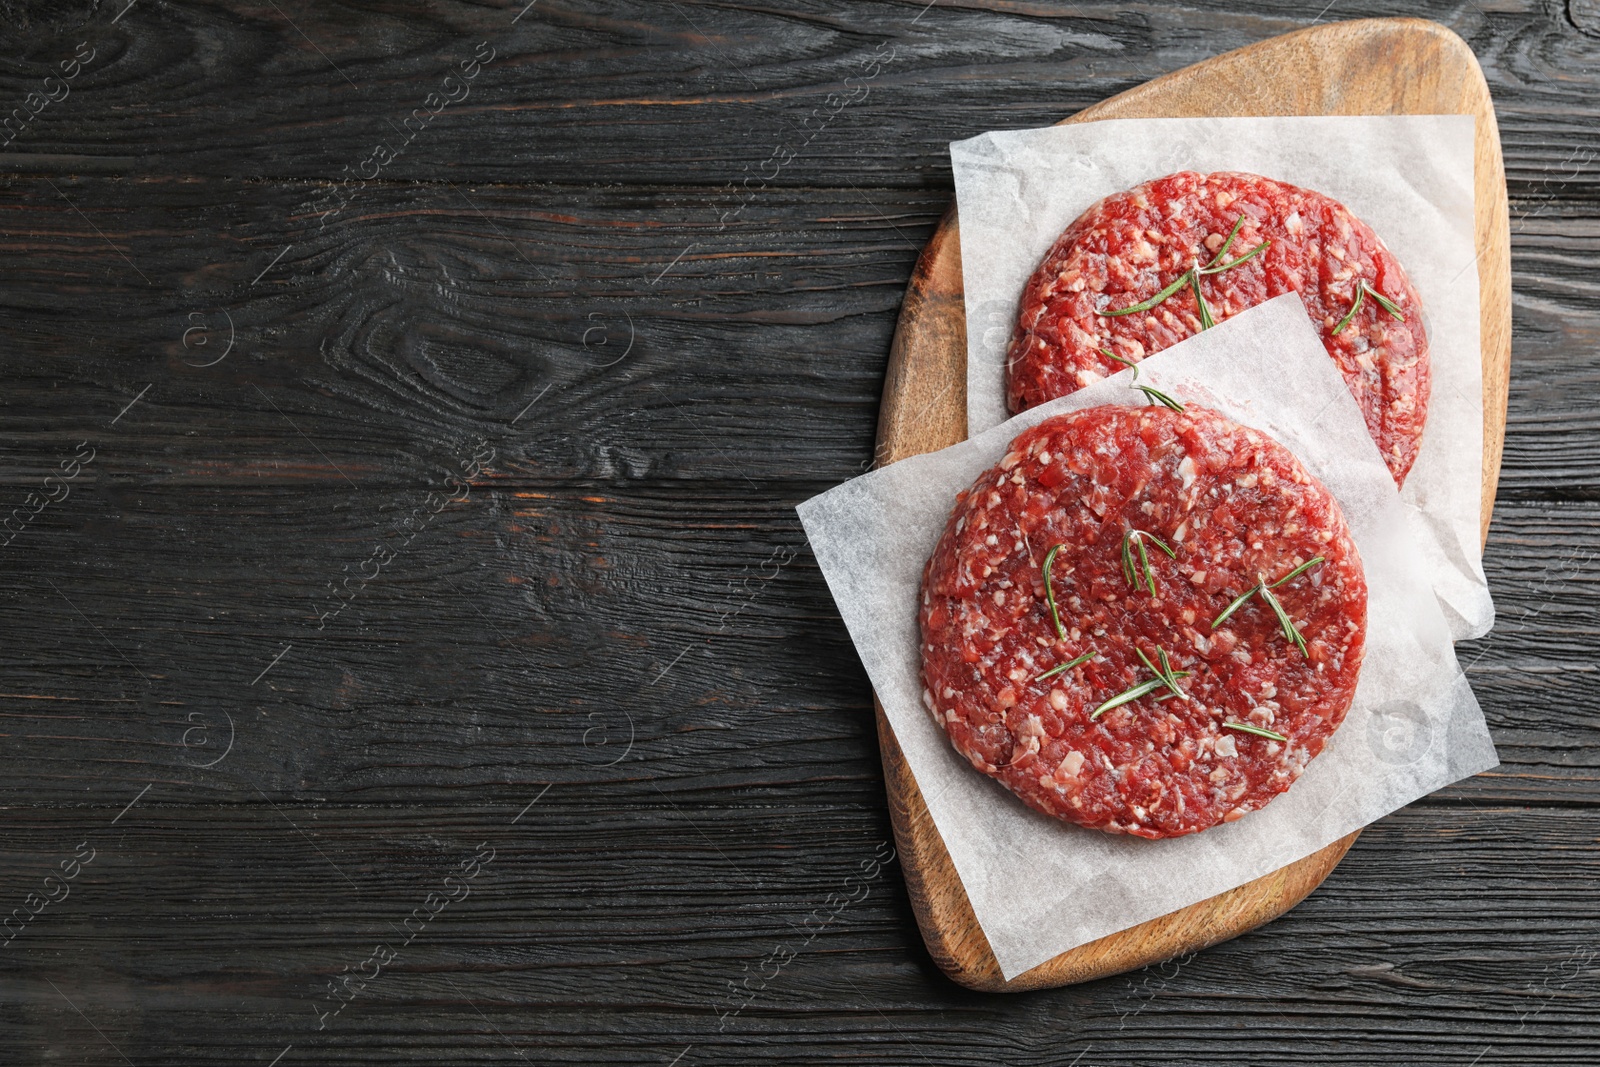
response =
{"points": [[1366, 67]]}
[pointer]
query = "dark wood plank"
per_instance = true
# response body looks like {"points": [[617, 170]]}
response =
{"points": [[433, 316], [572, 944], [693, 92]]}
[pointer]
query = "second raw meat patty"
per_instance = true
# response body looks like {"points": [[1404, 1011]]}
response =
{"points": [[1131, 247]]}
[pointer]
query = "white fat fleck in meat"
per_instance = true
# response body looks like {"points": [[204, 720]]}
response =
{"points": [[1070, 765], [1226, 746], [1188, 471], [1030, 747]]}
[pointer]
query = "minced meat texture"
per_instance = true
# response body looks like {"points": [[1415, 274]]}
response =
{"points": [[1132, 245], [1235, 508]]}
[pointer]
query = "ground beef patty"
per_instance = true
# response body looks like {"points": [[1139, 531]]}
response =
{"points": [[1234, 507], [1129, 247]]}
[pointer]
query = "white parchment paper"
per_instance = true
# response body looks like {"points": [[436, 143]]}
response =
{"points": [[1409, 177], [1039, 886]]}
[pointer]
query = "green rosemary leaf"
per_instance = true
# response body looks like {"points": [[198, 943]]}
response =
{"points": [[1246, 728], [1355, 306], [1149, 392], [1127, 696], [1080, 660], [1298, 571], [1383, 301], [1153, 301], [1164, 673], [1162, 545], [1232, 263], [1129, 572], [1169, 675], [1067, 666], [1159, 397], [1235, 606], [1287, 624], [1050, 592], [1364, 290], [1205, 313], [1238, 222]]}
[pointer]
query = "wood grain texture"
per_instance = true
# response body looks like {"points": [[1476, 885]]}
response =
{"points": [[1393, 66], [623, 555]]}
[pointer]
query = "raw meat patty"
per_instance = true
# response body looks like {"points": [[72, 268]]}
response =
{"points": [[1234, 507], [1130, 246]]}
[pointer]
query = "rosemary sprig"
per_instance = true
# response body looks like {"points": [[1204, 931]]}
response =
{"points": [[1232, 263], [1292, 635], [1298, 571], [1149, 392], [1246, 728], [1067, 666], [1206, 322], [1235, 606], [1165, 677], [1050, 593], [1238, 222], [1132, 574], [1152, 302], [1384, 302], [1192, 276], [1363, 289], [1168, 676], [1128, 696]]}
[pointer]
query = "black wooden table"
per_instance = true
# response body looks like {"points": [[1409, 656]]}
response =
{"points": [[411, 652]]}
